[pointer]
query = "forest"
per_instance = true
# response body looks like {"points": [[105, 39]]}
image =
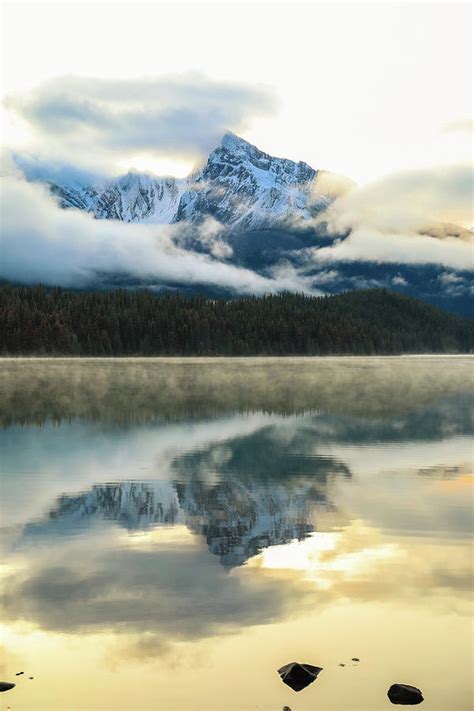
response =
{"points": [[45, 321]]}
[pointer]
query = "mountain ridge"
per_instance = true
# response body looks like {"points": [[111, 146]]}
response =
{"points": [[255, 211], [240, 186]]}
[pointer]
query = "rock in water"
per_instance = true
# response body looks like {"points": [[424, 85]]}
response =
{"points": [[298, 676], [405, 695], [6, 686]]}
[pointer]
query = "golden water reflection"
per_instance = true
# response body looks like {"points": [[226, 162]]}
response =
{"points": [[175, 565]]}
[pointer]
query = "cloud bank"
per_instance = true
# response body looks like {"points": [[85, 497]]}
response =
{"points": [[181, 115], [390, 220], [406, 201], [366, 244], [43, 243]]}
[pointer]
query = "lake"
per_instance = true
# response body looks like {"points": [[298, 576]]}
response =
{"points": [[175, 530]]}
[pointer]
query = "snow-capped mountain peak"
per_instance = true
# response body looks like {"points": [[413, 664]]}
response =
{"points": [[298, 173], [234, 144], [240, 186], [244, 188]]}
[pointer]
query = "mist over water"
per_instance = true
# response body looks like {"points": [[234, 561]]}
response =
{"points": [[38, 390], [190, 525]]}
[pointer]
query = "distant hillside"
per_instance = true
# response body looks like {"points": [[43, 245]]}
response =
{"points": [[38, 321]]}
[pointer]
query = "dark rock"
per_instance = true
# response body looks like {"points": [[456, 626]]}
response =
{"points": [[298, 676], [286, 708], [355, 659], [31, 677], [405, 695], [19, 673], [342, 665], [6, 686]]}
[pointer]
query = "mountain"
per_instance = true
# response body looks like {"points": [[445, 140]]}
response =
{"points": [[240, 186], [133, 197], [243, 187], [257, 208], [237, 519]]}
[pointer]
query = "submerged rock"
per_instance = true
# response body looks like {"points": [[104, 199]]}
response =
{"points": [[405, 695], [298, 676], [6, 686], [341, 665]]}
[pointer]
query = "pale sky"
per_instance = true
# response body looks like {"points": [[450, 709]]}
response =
{"points": [[361, 89]]}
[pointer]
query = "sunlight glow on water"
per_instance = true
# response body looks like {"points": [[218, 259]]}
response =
{"points": [[174, 531]]}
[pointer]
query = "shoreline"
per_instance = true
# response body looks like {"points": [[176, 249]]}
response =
{"points": [[189, 358]]}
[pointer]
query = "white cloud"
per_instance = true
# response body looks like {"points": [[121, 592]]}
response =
{"points": [[406, 201], [43, 243], [448, 278], [371, 245], [210, 237], [386, 219], [328, 276], [399, 281], [454, 284], [183, 116]]}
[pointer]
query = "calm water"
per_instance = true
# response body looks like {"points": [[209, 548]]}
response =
{"points": [[173, 531]]}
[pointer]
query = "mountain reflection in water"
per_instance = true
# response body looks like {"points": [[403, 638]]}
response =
{"points": [[160, 513]]}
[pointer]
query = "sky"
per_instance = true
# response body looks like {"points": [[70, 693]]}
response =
{"points": [[378, 92], [362, 89]]}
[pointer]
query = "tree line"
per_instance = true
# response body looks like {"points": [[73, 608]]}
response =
{"points": [[43, 321]]}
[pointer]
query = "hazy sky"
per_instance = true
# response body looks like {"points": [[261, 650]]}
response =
{"points": [[361, 89]]}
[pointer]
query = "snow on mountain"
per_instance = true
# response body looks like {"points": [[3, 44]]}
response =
{"points": [[242, 186], [239, 186], [237, 519], [136, 505], [134, 197]]}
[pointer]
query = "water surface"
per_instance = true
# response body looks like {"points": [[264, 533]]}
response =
{"points": [[174, 530]]}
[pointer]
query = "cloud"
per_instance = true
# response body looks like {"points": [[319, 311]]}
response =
{"points": [[328, 183], [209, 236], [43, 243], [168, 583], [37, 169], [367, 244], [326, 277], [387, 219], [455, 284], [178, 115], [399, 281], [449, 279], [406, 201]]}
